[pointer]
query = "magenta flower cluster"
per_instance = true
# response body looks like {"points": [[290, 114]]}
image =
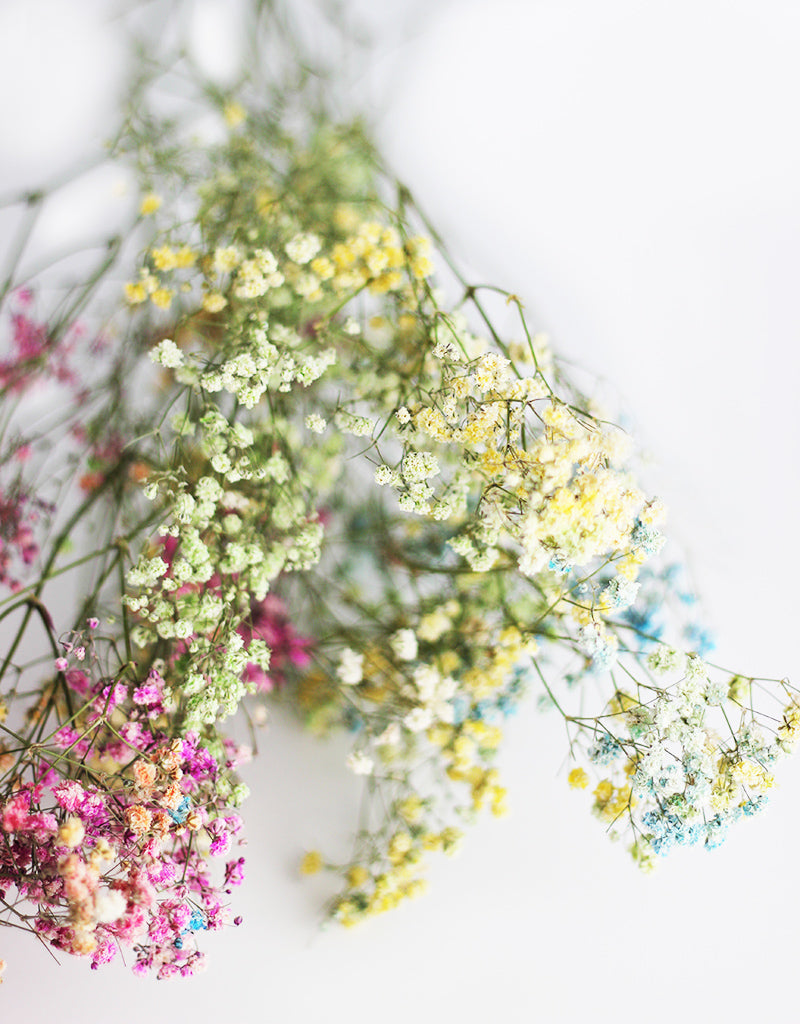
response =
{"points": [[105, 840]]}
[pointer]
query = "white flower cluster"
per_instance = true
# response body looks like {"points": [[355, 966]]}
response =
{"points": [[167, 354], [434, 694], [303, 247]]}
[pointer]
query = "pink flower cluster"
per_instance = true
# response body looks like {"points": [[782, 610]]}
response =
{"points": [[102, 835], [18, 517], [269, 621], [34, 354]]}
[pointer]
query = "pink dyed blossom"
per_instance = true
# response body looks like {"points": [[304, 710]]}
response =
{"points": [[234, 872], [18, 517], [269, 621], [15, 812], [65, 737]]}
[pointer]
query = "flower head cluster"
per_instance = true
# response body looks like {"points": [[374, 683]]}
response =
{"points": [[104, 830], [683, 760], [36, 355]]}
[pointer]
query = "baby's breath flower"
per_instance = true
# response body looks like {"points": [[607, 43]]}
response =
{"points": [[71, 833], [227, 258], [360, 763], [578, 778], [162, 297], [303, 247], [350, 670], [213, 302], [312, 863], [167, 353], [315, 423], [404, 644], [149, 204]]}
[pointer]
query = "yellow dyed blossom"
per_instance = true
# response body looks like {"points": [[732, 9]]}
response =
{"points": [[418, 249], [312, 863], [358, 876], [346, 218], [346, 913], [135, 292], [399, 846], [739, 692], [385, 282], [416, 888], [164, 258], [451, 840], [343, 256], [610, 801], [440, 734], [789, 729], [463, 747], [488, 737], [499, 799], [162, 297], [448, 662], [578, 778], [265, 200], [753, 775], [213, 302], [323, 268], [434, 625], [234, 114], [226, 259], [411, 809], [432, 841], [185, 257], [622, 702], [149, 204]]}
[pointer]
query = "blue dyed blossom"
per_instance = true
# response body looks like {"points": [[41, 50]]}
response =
{"points": [[605, 749], [180, 813], [647, 537]]}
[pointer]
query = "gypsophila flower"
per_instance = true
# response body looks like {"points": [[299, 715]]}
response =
{"points": [[359, 763], [350, 667], [167, 353], [404, 644], [303, 248], [315, 423]]}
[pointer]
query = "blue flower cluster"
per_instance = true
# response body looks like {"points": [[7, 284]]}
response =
{"points": [[197, 922], [646, 537], [667, 829], [605, 749]]}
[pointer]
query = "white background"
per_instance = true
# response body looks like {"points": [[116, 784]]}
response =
{"points": [[630, 169]]}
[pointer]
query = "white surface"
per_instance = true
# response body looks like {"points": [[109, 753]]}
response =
{"points": [[631, 170]]}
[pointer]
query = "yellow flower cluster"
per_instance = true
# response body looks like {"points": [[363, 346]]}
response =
{"points": [[492, 674], [789, 729], [463, 747], [374, 256], [369, 893], [371, 255], [577, 504], [578, 778], [733, 775], [611, 801]]}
